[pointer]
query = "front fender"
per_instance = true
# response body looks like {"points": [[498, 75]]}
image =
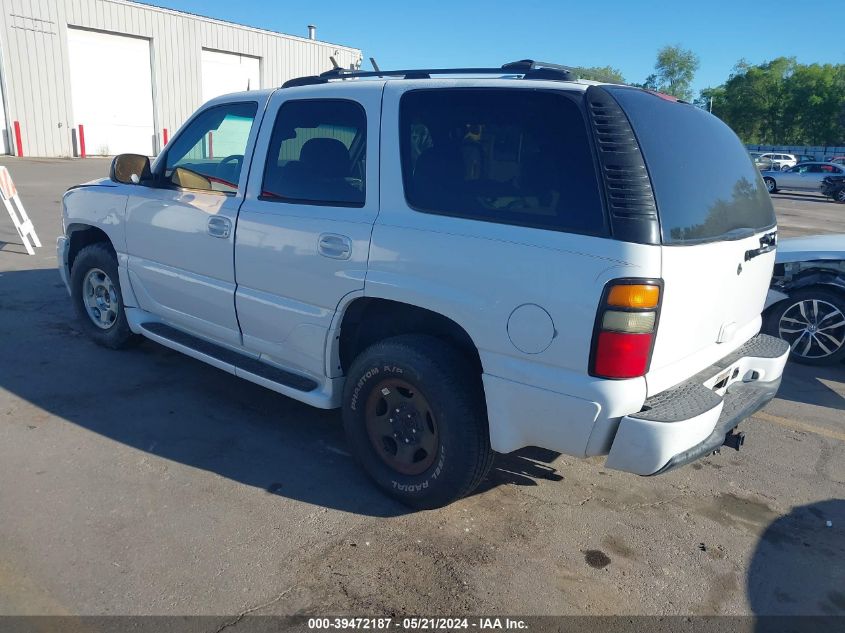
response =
{"points": [[100, 206]]}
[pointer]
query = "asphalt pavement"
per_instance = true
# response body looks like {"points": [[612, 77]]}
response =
{"points": [[145, 482]]}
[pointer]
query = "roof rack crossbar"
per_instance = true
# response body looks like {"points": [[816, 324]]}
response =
{"points": [[528, 68]]}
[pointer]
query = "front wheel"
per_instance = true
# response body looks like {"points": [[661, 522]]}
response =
{"points": [[415, 419], [95, 289], [839, 196], [771, 185], [812, 321]]}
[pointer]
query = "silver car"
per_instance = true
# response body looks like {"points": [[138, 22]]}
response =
{"points": [[802, 177]]}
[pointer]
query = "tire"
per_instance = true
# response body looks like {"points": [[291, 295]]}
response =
{"points": [[95, 289], [449, 407], [826, 346], [771, 185], [839, 196]]}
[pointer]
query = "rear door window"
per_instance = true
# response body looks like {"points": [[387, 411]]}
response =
{"points": [[317, 154], [711, 193], [508, 156]]}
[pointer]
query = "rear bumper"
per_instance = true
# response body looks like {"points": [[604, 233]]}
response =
{"points": [[691, 420]]}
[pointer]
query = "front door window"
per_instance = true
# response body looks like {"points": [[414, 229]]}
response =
{"points": [[209, 153]]}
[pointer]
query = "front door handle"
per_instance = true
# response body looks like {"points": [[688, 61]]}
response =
{"points": [[218, 226], [334, 246]]}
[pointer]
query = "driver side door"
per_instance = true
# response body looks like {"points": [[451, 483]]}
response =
{"points": [[180, 228]]}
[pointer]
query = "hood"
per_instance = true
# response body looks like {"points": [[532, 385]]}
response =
{"points": [[108, 182], [811, 248]]}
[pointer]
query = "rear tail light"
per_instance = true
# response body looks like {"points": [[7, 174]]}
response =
{"points": [[626, 324]]}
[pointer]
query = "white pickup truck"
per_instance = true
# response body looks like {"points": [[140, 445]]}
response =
{"points": [[464, 260]]}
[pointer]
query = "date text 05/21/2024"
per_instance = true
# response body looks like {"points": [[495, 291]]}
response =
{"points": [[418, 623]]}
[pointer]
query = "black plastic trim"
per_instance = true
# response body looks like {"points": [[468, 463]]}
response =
{"points": [[225, 355], [627, 186], [528, 68]]}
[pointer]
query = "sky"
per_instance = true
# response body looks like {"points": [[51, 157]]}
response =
{"points": [[625, 35]]}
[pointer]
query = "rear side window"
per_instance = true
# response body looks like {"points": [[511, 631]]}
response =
{"points": [[509, 156], [705, 186], [317, 154]]}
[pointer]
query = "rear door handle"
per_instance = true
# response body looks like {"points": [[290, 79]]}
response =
{"points": [[219, 226], [334, 246]]}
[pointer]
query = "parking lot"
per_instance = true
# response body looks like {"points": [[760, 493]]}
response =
{"points": [[145, 482]]}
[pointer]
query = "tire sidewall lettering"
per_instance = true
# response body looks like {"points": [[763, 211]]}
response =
{"points": [[368, 375], [429, 478]]}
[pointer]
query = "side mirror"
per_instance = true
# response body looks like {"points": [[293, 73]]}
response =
{"points": [[130, 169]]}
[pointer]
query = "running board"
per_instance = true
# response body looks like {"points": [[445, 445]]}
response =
{"points": [[205, 350]]}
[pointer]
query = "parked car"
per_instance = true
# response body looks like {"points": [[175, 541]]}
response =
{"points": [[802, 177], [806, 303], [464, 265], [837, 159], [805, 158], [762, 163], [834, 187], [779, 161]]}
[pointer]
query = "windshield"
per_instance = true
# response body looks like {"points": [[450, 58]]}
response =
{"points": [[706, 186]]}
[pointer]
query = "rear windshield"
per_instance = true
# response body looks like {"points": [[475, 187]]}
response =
{"points": [[706, 186]]}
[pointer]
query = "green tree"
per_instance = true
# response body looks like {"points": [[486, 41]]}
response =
{"points": [[813, 104], [674, 71], [781, 102], [711, 99], [754, 100], [606, 74]]}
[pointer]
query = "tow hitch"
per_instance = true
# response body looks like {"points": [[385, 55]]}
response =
{"points": [[734, 440]]}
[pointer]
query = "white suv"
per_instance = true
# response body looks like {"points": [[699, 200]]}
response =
{"points": [[778, 161], [465, 264]]}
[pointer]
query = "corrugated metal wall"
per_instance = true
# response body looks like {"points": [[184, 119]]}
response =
{"points": [[33, 43]]}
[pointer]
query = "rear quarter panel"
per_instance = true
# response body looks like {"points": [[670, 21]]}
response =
{"points": [[484, 275]]}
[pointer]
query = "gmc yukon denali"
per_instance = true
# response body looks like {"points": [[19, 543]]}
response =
{"points": [[465, 261]]}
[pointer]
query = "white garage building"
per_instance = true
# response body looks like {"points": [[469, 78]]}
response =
{"points": [[111, 76]]}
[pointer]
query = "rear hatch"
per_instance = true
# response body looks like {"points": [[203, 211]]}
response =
{"points": [[717, 230]]}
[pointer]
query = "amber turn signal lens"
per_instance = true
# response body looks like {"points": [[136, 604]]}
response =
{"points": [[634, 296]]}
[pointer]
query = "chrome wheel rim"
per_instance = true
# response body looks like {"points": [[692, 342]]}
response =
{"points": [[770, 185], [840, 195], [813, 328], [100, 298]]}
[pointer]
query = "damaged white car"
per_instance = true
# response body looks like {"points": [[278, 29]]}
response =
{"points": [[806, 302]]}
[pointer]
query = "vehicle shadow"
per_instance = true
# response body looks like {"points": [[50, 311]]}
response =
{"points": [[796, 570], [806, 384], [176, 408]]}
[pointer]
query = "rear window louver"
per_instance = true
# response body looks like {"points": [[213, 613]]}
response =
{"points": [[630, 199]]}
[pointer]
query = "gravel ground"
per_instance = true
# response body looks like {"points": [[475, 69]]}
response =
{"points": [[144, 482]]}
